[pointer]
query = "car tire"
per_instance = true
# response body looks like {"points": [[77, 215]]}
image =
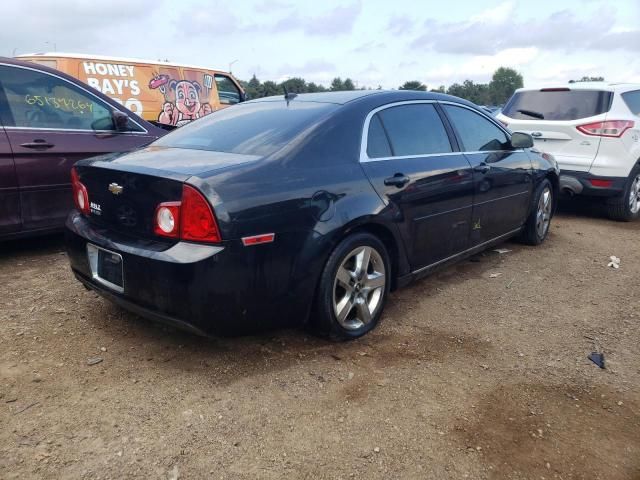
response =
{"points": [[626, 207], [353, 288], [536, 228]]}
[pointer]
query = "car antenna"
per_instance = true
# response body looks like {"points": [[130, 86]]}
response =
{"points": [[288, 96]]}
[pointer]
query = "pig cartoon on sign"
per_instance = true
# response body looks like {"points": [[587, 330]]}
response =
{"points": [[187, 106]]}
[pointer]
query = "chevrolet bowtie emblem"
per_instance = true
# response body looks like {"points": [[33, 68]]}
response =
{"points": [[115, 188]]}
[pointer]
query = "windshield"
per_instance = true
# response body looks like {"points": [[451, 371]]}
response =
{"points": [[260, 128], [557, 104]]}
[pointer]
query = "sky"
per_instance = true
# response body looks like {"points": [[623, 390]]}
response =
{"points": [[373, 42]]}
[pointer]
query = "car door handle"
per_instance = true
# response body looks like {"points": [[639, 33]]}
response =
{"points": [[482, 168], [398, 180], [38, 144]]}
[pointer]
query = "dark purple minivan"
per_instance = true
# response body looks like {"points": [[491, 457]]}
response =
{"points": [[48, 121]]}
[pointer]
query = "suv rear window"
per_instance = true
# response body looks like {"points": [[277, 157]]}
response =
{"points": [[557, 104]]}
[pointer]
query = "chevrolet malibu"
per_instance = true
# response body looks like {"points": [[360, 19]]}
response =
{"points": [[303, 209]]}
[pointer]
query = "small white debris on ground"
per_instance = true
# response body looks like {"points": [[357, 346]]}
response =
{"points": [[614, 263]]}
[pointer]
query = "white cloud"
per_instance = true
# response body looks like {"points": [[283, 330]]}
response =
{"points": [[499, 14]]}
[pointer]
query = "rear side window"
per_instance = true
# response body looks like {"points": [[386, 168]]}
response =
{"points": [[632, 99], [557, 104], [377, 142], [415, 130], [259, 128], [476, 132]]}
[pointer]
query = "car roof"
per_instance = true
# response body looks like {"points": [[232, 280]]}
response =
{"points": [[343, 97], [603, 86]]}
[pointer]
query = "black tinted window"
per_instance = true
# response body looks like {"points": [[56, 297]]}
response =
{"points": [[228, 93], [632, 99], [249, 128], [415, 130], [557, 104], [476, 132], [377, 142], [40, 100]]}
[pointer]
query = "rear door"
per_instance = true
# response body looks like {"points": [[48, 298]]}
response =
{"points": [[502, 176], [10, 219], [416, 169], [552, 116], [51, 123]]}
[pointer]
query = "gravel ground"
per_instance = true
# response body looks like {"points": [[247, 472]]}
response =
{"points": [[469, 375]]}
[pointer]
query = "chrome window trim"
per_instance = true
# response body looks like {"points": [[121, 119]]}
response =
{"points": [[364, 157], [79, 86], [77, 130]]}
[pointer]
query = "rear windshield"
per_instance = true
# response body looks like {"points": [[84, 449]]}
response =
{"points": [[557, 105], [251, 128]]}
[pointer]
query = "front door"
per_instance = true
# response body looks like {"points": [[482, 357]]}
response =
{"points": [[51, 123], [410, 160], [502, 175], [10, 220]]}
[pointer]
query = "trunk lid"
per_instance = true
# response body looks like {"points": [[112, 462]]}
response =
{"points": [[125, 190], [563, 110]]}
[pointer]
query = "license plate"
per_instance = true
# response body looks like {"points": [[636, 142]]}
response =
{"points": [[106, 267]]}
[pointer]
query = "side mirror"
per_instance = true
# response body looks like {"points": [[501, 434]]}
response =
{"points": [[244, 97], [521, 140], [120, 121]]}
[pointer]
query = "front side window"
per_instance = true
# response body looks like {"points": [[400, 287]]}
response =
{"points": [[476, 132], [228, 92], [415, 130], [39, 100]]}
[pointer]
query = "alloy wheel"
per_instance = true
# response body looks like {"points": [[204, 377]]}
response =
{"points": [[634, 196], [359, 287], [543, 215]]}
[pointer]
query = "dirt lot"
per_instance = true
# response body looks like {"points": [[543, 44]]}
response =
{"points": [[468, 376]]}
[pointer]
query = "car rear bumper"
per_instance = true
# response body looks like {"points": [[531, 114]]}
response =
{"points": [[584, 183], [205, 289]]}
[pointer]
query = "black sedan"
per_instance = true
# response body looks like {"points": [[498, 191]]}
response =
{"points": [[303, 210]]}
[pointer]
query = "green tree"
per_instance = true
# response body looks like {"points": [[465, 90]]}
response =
{"points": [[348, 84], [503, 83], [337, 84], [474, 92], [294, 85], [588, 79], [440, 89], [253, 88], [413, 85], [313, 88], [270, 88]]}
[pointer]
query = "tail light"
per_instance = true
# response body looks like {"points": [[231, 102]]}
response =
{"points": [[80, 193], [167, 220], [601, 183], [610, 128], [190, 219]]}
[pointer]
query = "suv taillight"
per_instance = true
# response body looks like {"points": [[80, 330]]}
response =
{"points": [[190, 219], [610, 128], [80, 193]]}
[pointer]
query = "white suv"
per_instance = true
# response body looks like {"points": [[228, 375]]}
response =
{"points": [[593, 131]]}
